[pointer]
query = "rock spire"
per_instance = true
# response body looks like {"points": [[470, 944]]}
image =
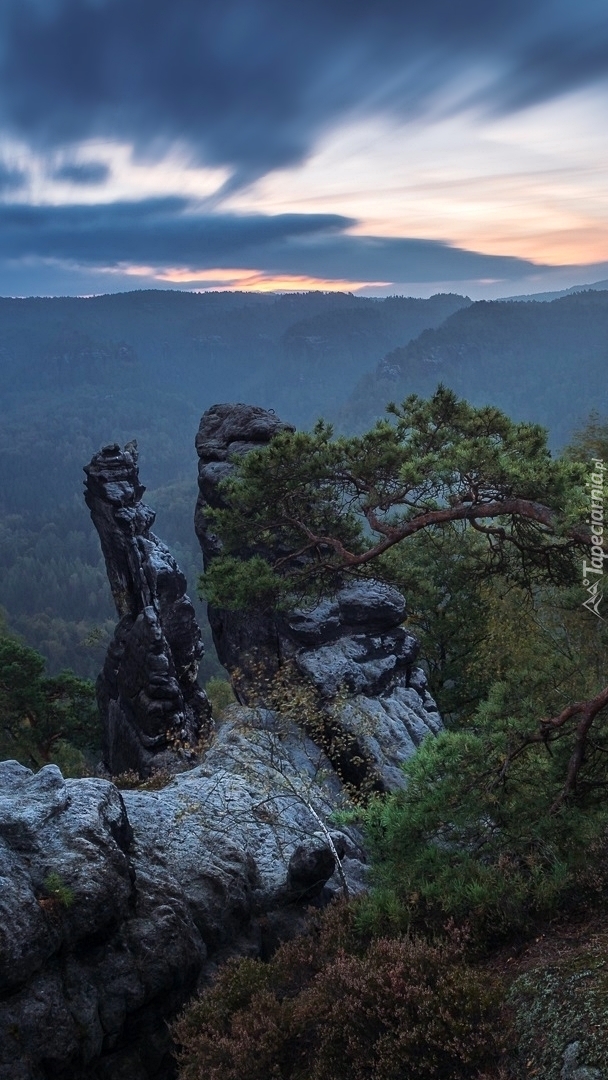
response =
{"points": [[151, 704]]}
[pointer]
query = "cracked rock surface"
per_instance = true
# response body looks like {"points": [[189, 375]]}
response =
{"points": [[115, 906]]}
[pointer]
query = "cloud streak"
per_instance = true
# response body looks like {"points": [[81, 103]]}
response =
{"points": [[178, 240], [251, 84], [159, 231], [10, 179]]}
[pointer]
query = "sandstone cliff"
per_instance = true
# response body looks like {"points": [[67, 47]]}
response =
{"points": [[115, 906], [118, 905]]}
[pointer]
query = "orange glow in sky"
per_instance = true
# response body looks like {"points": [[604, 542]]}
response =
{"points": [[286, 147], [246, 280], [532, 185]]}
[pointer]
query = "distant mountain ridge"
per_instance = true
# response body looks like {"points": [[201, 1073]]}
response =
{"points": [[81, 373], [544, 362], [545, 297]]}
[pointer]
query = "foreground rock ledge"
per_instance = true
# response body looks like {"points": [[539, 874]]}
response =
{"points": [[115, 906]]}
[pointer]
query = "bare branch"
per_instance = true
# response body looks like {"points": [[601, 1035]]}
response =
{"points": [[588, 710], [394, 534], [551, 729]]}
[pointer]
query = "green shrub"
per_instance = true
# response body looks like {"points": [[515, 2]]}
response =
{"points": [[330, 1005], [57, 890], [42, 719], [220, 694], [463, 842]]}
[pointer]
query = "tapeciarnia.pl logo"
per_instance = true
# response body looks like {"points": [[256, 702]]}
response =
{"points": [[593, 585]]}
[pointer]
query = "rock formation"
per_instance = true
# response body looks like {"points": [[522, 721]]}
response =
{"points": [[355, 644], [149, 699], [225, 432], [115, 906], [352, 643]]}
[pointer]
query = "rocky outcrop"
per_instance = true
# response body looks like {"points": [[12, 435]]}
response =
{"points": [[351, 645], [572, 1070], [86, 943], [354, 646], [113, 907], [226, 432], [149, 699]]}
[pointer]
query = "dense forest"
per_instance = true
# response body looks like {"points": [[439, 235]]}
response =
{"points": [[543, 362], [80, 373], [83, 372]]}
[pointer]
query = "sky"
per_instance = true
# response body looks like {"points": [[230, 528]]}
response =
{"points": [[399, 146]]}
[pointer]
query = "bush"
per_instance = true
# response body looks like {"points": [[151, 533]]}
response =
{"points": [[220, 694], [462, 842], [330, 1005], [132, 781]]}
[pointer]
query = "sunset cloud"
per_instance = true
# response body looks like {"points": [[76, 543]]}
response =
{"points": [[179, 243], [397, 143], [253, 85]]}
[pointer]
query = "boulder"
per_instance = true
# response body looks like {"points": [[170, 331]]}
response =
{"points": [[115, 906], [572, 1070], [87, 942]]}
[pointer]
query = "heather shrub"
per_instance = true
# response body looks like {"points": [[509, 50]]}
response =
{"points": [[131, 780], [332, 1005]]}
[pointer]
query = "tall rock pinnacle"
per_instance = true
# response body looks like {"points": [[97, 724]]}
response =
{"points": [[227, 431], [149, 699]]}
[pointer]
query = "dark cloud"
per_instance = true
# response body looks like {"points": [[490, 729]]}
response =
{"points": [[375, 258], [251, 83], [90, 172], [552, 66], [169, 232], [159, 231]]}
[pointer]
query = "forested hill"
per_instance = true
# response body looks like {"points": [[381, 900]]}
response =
{"points": [[545, 362], [79, 373]]}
